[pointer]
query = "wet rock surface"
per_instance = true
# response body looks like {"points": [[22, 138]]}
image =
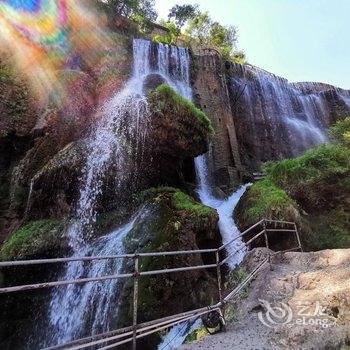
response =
{"points": [[171, 221], [275, 119]]}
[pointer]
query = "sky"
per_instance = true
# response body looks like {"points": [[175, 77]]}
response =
{"points": [[301, 40]]}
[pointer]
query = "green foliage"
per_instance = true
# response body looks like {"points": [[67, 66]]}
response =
{"points": [[238, 57], [321, 164], [164, 94], [331, 230], [340, 132], [171, 37], [205, 31], [199, 28], [183, 201], [180, 200], [268, 201], [183, 13], [154, 192], [32, 238], [140, 11]]}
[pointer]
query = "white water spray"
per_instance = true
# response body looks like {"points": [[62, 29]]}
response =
{"points": [[225, 209], [89, 309]]}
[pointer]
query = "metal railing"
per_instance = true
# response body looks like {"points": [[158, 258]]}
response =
{"points": [[136, 331]]}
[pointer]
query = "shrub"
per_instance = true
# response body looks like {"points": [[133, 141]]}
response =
{"points": [[340, 132]]}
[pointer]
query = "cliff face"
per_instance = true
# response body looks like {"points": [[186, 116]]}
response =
{"points": [[211, 94], [276, 119], [258, 116]]}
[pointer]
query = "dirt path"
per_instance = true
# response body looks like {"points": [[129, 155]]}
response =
{"points": [[310, 290]]}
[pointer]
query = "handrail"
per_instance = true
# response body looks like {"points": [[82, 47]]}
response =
{"points": [[132, 256], [140, 330]]}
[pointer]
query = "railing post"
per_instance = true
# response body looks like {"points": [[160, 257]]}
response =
{"points": [[265, 234], [135, 301], [218, 272], [298, 237]]}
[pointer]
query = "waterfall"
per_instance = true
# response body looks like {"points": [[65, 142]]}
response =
{"points": [[124, 115], [286, 107], [120, 134], [276, 119], [225, 209]]}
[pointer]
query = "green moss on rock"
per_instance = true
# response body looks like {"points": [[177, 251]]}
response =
{"points": [[312, 190], [33, 239], [170, 220], [180, 200], [265, 200], [167, 96]]}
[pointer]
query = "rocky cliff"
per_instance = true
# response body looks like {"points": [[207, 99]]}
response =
{"points": [[211, 94], [276, 119], [259, 116]]}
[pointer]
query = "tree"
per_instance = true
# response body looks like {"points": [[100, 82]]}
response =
{"points": [[133, 8], [205, 31], [183, 13], [173, 33], [199, 28]]}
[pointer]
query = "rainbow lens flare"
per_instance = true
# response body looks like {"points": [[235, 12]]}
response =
{"points": [[41, 36], [43, 23]]}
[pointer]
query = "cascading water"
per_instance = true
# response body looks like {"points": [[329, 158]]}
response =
{"points": [[225, 209], [282, 106], [76, 310], [89, 309], [276, 119], [124, 115]]}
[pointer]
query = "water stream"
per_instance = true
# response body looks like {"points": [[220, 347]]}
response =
{"points": [[76, 311]]}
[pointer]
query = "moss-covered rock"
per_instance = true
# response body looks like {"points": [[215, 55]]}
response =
{"points": [[170, 220], [312, 190], [265, 200], [179, 128], [35, 239]]}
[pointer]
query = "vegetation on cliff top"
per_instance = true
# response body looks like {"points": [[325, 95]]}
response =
{"points": [[34, 238], [194, 27]]}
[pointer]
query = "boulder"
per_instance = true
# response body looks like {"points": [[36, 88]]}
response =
{"points": [[151, 82], [55, 187], [170, 220]]}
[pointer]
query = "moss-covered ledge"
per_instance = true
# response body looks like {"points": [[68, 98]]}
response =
{"points": [[179, 128], [266, 200], [42, 238]]}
